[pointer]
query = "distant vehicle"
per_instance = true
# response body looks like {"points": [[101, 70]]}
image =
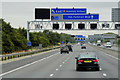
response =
{"points": [[117, 26], [108, 45], [83, 46], [70, 47], [89, 43], [99, 43], [87, 61], [64, 49], [78, 44], [94, 44]]}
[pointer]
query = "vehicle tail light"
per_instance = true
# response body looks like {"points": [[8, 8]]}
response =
{"points": [[95, 60], [80, 60]]}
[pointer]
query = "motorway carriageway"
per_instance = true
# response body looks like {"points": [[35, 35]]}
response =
{"points": [[56, 65]]}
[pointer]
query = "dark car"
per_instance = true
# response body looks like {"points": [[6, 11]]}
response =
{"points": [[83, 46], [70, 47], [64, 49], [87, 61]]}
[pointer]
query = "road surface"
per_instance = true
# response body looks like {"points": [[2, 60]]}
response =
{"points": [[56, 65]]}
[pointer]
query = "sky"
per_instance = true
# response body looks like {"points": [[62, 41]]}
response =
{"points": [[59, 0], [18, 12]]}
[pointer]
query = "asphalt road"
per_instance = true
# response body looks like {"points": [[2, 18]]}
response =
{"points": [[56, 65]]}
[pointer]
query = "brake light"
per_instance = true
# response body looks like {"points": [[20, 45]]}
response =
{"points": [[95, 60], [80, 60]]}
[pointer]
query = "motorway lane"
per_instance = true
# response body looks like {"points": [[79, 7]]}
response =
{"points": [[63, 66], [41, 69], [15, 64], [68, 69], [108, 65]]}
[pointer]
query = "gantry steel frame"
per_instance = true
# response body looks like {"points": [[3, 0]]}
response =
{"points": [[48, 25]]}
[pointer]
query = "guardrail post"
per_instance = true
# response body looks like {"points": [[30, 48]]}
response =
{"points": [[28, 30]]}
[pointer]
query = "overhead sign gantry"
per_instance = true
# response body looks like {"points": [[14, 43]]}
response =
{"points": [[68, 19]]}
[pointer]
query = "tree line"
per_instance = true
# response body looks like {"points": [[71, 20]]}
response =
{"points": [[16, 39]]}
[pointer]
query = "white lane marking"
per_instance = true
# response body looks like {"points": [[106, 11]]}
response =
{"points": [[100, 69], [56, 69], [66, 60], [111, 56], [63, 62], [23, 66], [104, 74], [51, 75], [60, 65]]}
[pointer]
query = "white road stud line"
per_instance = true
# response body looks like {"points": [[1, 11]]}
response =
{"points": [[23, 66], [51, 75], [104, 74]]}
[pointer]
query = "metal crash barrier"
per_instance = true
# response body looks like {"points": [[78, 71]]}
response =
{"points": [[17, 55]]}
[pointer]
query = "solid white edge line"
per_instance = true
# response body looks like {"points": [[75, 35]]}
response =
{"points": [[24, 66], [111, 56]]}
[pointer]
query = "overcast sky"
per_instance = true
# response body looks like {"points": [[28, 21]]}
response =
{"points": [[59, 0], [18, 13]]}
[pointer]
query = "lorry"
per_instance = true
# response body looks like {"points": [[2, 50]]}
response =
{"points": [[99, 43]]}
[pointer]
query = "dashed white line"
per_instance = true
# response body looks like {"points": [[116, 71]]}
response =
{"points": [[56, 69], [100, 69], [60, 65], [51, 75], [104, 74], [25, 66], [63, 62]]}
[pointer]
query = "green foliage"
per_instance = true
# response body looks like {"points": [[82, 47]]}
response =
{"points": [[16, 39], [7, 45]]}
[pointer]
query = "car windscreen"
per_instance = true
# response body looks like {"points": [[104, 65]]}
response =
{"points": [[86, 56], [64, 47]]}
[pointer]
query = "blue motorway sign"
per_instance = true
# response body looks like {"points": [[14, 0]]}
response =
{"points": [[80, 38], [62, 42], [56, 17], [28, 43], [81, 17], [69, 11]]}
